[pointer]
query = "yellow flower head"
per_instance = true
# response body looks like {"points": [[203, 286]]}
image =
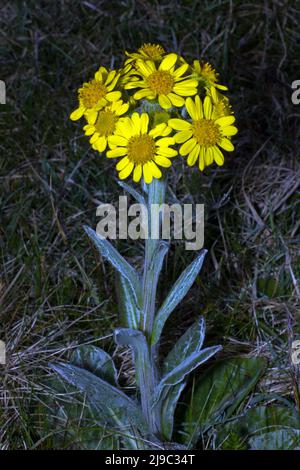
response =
{"points": [[221, 103], [165, 82], [104, 124], [206, 75], [141, 149], [96, 93], [147, 51], [204, 136]]}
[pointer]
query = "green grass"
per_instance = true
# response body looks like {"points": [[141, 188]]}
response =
{"points": [[54, 291]]}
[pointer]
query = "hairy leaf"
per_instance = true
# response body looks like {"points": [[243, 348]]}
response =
{"points": [[128, 306], [177, 293], [137, 196], [118, 262], [168, 409], [191, 341], [220, 391], [109, 404], [95, 360], [190, 363]]}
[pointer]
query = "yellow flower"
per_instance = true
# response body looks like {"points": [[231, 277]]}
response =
{"points": [[203, 137], [97, 93], [147, 51], [141, 149], [165, 82], [206, 75], [221, 103], [104, 124]]}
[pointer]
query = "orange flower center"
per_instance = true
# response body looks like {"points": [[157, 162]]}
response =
{"points": [[160, 82], [206, 132], [91, 93], [141, 149]]}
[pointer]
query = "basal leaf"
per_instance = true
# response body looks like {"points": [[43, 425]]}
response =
{"points": [[95, 360], [219, 391], [109, 404]]}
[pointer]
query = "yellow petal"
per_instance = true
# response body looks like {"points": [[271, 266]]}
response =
{"points": [[155, 170], [176, 100], [126, 172], [225, 121], [199, 108], [179, 124], [91, 116], [168, 62], [184, 91], [191, 108], [117, 152], [162, 161], [110, 77], [137, 173], [193, 155], [122, 109], [165, 141], [136, 122], [181, 70], [226, 145], [122, 163], [182, 136], [101, 144], [89, 130], [208, 156], [164, 102], [167, 152], [207, 106], [94, 137], [229, 131], [202, 159], [144, 67], [125, 128], [145, 92], [147, 173], [117, 140], [187, 147], [77, 114], [113, 96], [144, 123], [218, 156]]}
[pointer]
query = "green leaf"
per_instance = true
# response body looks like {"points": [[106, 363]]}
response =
{"points": [[137, 196], [219, 392], [68, 421], [263, 428], [177, 293], [127, 303], [191, 341], [137, 341], [168, 409], [118, 262], [95, 360], [282, 439], [110, 405], [190, 363]]}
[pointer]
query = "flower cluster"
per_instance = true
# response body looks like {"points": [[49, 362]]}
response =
{"points": [[156, 101]]}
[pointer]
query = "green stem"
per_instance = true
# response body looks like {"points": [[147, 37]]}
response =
{"points": [[156, 195]]}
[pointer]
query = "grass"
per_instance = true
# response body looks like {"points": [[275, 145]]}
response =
{"points": [[55, 293]]}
